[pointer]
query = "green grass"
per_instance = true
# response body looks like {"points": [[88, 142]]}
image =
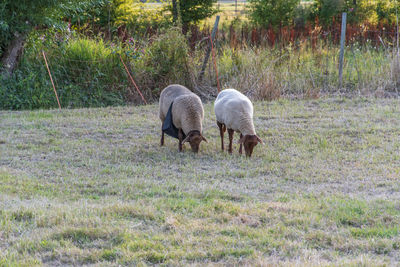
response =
{"points": [[92, 186]]}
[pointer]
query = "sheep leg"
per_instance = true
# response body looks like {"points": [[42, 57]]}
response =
{"points": [[162, 138], [240, 147], [222, 130], [180, 137], [230, 132]]}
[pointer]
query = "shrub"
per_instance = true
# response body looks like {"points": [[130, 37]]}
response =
{"points": [[325, 10], [164, 62], [386, 11], [301, 15], [137, 18], [275, 13], [87, 14], [191, 12], [358, 11], [86, 72]]}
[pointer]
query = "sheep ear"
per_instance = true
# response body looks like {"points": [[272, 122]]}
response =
{"points": [[241, 140], [259, 140], [204, 139], [186, 139]]}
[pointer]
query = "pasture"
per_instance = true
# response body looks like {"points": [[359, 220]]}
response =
{"points": [[93, 186]]}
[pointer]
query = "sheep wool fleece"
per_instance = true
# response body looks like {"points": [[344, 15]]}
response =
{"points": [[235, 110], [184, 107]]}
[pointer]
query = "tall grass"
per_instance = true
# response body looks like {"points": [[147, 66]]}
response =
{"points": [[94, 67], [306, 72], [88, 72]]}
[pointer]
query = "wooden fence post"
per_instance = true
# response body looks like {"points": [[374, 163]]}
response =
{"points": [[342, 44], [51, 79], [213, 33], [132, 80], [215, 66]]}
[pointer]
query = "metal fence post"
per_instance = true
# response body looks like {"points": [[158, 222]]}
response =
{"points": [[342, 44]]}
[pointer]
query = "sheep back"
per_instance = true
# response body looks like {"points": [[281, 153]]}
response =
{"points": [[187, 110], [188, 113], [168, 95], [235, 110]]}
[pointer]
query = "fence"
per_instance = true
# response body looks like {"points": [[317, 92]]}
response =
{"points": [[264, 63]]}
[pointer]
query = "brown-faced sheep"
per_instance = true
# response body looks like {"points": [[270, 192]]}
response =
{"points": [[187, 115], [234, 111]]}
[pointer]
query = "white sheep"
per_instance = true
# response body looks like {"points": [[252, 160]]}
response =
{"points": [[234, 111], [187, 116]]}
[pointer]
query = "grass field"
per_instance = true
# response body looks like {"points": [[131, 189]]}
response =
{"points": [[92, 186]]}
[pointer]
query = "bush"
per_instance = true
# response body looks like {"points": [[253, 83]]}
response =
{"points": [[164, 62], [386, 12], [358, 11], [302, 14], [193, 11], [137, 18], [87, 73], [87, 14], [275, 13], [325, 10]]}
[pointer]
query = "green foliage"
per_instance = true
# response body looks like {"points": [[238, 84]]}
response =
{"points": [[275, 13], [20, 16], [166, 61], [86, 73], [191, 12], [79, 13], [26, 90], [325, 10], [386, 11], [301, 15], [136, 17], [359, 11], [89, 73]]}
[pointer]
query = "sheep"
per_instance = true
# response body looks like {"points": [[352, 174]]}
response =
{"points": [[234, 111], [187, 115]]}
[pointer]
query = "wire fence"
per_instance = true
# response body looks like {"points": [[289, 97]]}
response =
{"points": [[263, 63]]}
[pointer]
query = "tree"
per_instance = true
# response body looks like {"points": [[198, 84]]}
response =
{"points": [[17, 17], [275, 13], [192, 11]]}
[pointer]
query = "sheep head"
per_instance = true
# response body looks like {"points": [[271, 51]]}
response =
{"points": [[249, 142], [194, 138]]}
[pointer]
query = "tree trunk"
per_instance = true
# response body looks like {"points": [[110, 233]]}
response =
{"points": [[10, 58]]}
